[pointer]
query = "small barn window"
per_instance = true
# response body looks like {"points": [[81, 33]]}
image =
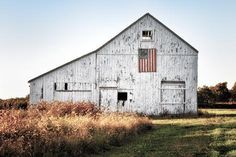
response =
{"points": [[147, 35], [66, 86], [122, 96], [41, 96], [55, 86]]}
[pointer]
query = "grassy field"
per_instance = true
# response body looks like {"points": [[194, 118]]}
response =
{"points": [[211, 134], [66, 129]]}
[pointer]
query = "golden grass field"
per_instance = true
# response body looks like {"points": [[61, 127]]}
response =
{"points": [[65, 129]]}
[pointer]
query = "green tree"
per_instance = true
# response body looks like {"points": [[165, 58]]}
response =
{"points": [[233, 92], [205, 95], [221, 92]]}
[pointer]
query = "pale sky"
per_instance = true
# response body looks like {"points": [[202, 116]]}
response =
{"points": [[37, 36]]}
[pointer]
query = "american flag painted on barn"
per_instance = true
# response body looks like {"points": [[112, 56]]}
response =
{"points": [[147, 60]]}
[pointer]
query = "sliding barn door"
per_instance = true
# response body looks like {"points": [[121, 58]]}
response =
{"points": [[173, 97]]}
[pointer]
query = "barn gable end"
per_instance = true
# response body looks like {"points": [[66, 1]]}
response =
{"points": [[110, 76]]}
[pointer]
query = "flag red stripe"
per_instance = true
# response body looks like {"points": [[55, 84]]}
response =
{"points": [[146, 64], [154, 63], [139, 65], [151, 56], [149, 63], [152, 60], [142, 65]]}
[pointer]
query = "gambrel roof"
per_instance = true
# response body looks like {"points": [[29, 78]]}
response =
{"points": [[147, 14]]}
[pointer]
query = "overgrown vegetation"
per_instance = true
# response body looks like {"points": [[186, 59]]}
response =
{"points": [[65, 129], [218, 94], [15, 103], [212, 134]]}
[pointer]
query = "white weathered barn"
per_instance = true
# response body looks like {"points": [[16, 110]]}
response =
{"points": [[146, 68]]}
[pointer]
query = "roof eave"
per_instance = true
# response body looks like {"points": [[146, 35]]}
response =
{"points": [[90, 52], [61, 66]]}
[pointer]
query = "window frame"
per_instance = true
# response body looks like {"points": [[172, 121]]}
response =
{"points": [[147, 38], [66, 86], [41, 90], [55, 86], [121, 94]]}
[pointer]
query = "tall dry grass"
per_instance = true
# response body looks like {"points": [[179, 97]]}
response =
{"points": [[65, 129]]}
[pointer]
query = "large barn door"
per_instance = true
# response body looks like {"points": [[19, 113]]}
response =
{"points": [[108, 99], [173, 97]]}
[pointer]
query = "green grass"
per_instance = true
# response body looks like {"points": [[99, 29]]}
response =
{"points": [[212, 134]]}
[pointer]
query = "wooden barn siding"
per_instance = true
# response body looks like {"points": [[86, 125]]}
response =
{"points": [[116, 66], [81, 71], [176, 61]]}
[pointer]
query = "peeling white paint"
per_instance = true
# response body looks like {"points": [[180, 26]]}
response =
{"points": [[99, 76]]}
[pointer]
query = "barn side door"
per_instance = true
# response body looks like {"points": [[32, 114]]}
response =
{"points": [[108, 98], [173, 97]]}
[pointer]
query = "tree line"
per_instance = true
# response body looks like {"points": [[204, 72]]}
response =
{"points": [[14, 103], [216, 94]]}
